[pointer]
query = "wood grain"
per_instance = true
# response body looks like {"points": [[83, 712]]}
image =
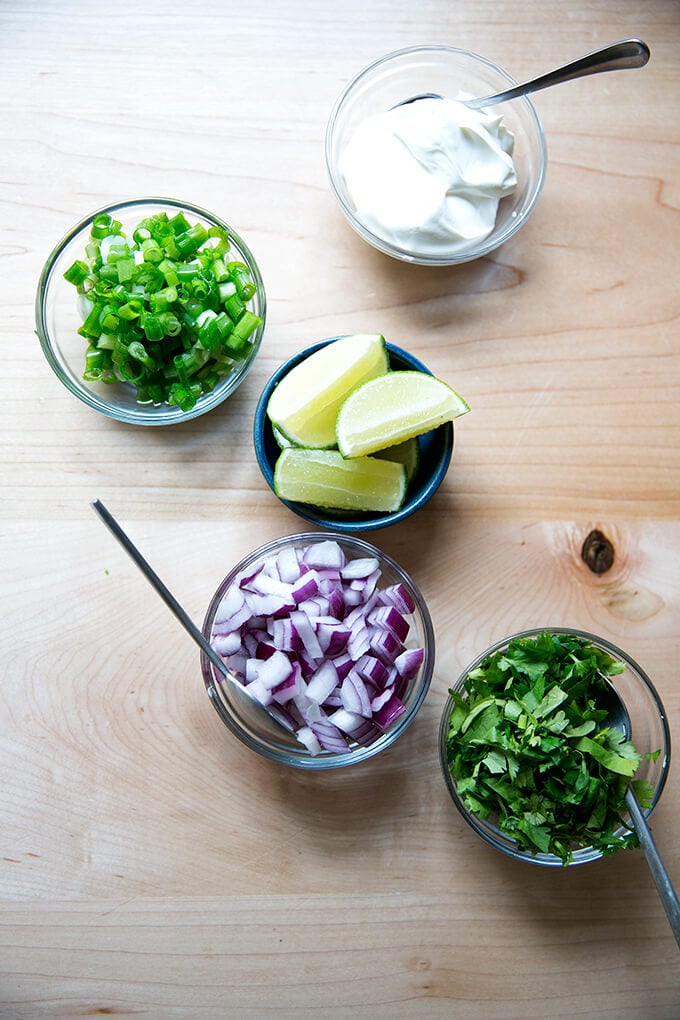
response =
{"points": [[151, 864]]}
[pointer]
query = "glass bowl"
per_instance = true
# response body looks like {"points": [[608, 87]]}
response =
{"points": [[649, 731], [252, 724], [58, 318], [435, 450], [445, 71]]}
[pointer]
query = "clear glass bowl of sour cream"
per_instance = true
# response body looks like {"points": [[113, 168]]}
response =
{"points": [[428, 182]]}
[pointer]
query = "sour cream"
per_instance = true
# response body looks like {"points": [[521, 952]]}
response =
{"points": [[427, 176]]}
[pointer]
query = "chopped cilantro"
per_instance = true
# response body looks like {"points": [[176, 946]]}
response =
{"points": [[528, 749]]}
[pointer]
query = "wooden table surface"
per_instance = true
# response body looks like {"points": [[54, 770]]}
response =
{"points": [[153, 866]]}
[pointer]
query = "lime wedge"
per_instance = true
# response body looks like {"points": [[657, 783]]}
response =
{"points": [[406, 453], [392, 408], [305, 404], [324, 478], [281, 440]]}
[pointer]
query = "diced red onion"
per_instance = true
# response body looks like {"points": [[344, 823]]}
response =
{"points": [[251, 641], [310, 710], [290, 687], [233, 622], [409, 662], [227, 644], [370, 668], [361, 567], [324, 554], [267, 605], [333, 700], [332, 636], [308, 738], [381, 699], [320, 644], [329, 736], [385, 646], [230, 604], [306, 586], [389, 618], [249, 573], [303, 626], [288, 564], [274, 670], [336, 603], [398, 595], [343, 663], [318, 605], [258, 690], [359, 642], [353, 597], [264, 584], [389, 712], [354, 695], [263, 650], [285, 635], [323, 683], [348, 722], [308, 664]]}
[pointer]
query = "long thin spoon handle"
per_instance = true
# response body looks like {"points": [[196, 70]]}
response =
{"points": [[617, 56], [664, 886], [164, 592]]}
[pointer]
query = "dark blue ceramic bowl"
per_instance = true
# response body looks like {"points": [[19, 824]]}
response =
{"points": [[436, 448]]}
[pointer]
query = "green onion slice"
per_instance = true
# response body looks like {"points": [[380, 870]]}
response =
{"points": [[167, 311]]}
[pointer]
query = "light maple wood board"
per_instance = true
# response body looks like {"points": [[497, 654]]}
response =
{"points": [[153, 866]]}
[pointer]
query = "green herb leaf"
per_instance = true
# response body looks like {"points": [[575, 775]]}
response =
{"points": [[528, 749]]}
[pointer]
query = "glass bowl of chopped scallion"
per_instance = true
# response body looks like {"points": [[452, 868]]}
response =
{"points": [[151, 311], [532, 754]]}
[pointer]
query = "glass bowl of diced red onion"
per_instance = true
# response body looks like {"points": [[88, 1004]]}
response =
{"points": [[329, 648]]}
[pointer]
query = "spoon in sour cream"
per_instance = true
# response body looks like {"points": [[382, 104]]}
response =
{"points": [[616, 57]]}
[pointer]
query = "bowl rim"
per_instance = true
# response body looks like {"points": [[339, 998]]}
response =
{"points": [[543, 859], [304, 760], [146, 414], [488, 245], [315, 515]]}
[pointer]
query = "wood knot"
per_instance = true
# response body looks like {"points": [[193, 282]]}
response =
{"points": [[597, 552]]}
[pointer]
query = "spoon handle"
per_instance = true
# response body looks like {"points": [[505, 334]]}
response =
{"points": [[164, 592], [664, 886], [627, 53]]}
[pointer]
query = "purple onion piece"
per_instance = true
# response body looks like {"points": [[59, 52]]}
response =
{"points": [[389, 713], [311, 634]]}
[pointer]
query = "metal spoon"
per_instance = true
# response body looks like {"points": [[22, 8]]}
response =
{"points": [[617, 56], [618, 718], [172, 603]]}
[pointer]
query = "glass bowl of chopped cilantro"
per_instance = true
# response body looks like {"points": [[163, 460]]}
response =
{"points": [[531, 752], [151, 311]]}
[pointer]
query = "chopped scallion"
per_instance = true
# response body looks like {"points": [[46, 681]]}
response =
{"points": [[166, 311]]}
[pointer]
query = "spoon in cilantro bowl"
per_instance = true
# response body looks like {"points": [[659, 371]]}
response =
{"points": [[619, 719], [531, 757]]}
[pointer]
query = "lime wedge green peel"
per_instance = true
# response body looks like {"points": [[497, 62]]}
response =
{"points": [[325, 478], [281, 440], [392, 408], [305, 404]]}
